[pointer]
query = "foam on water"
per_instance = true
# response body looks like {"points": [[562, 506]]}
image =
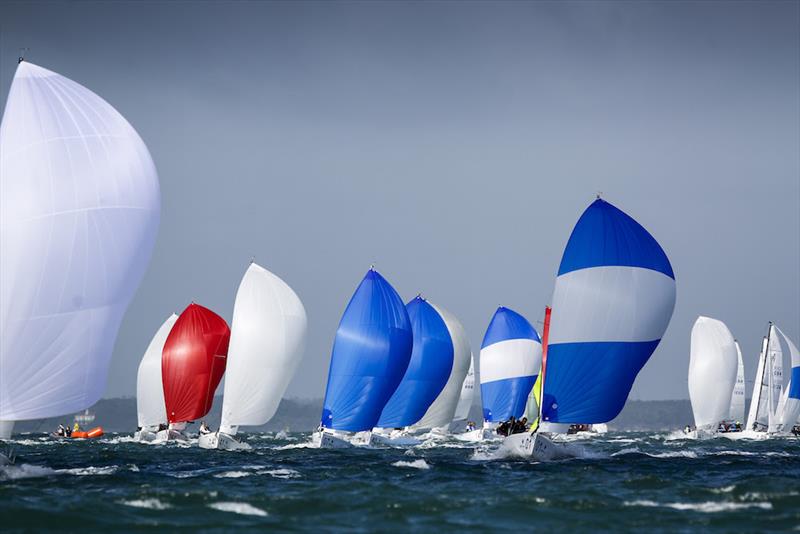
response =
{"points": [[149, 504], [238, 508], [709, 507], [416, 464]]}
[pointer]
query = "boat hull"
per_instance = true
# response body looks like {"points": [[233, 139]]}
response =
{"points": [[221, 441], [171, 434], [473, 436], [534, 446], [328, 439], [144, 436]]}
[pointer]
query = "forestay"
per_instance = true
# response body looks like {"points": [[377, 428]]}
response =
{"points": [[510, 359], [150, 409], [370, 356], [613, 299], [267, 342], [712, 372], [79, 213], [440, 413], [428, 369]]}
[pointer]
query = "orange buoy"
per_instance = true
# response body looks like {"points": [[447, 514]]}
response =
{"points": [[96, 432]]}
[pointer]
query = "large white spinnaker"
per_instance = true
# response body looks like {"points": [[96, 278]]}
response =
{"points": [[712, 372], [79, 213], [441, 411], [789, 411], [467, 393], [737, 397], [267, 342], [150, 408]]}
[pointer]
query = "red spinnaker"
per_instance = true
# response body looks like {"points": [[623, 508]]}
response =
{"points": [[193, 362]]}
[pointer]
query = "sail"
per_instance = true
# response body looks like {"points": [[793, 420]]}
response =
{"points": [[712, 372], [790, 411], [193, 362], [440, 413], [428, 369], [79, 212], [150, 408], [370, 356], [268, 333], [775, 363], [756, 417], [737, 397], [613, 299], [510, 359], [467, 392]]}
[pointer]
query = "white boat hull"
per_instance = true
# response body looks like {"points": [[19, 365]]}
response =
{"points": [[221, 441], [535, 446], [473, 436], [171, 434], [145, 436], [328, 439]]}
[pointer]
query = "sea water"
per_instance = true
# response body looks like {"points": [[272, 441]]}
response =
{"points": [[616, 482]]}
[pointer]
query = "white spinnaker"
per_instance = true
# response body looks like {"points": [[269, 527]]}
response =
{"points": [[268, 335], [790, 407], [467, 393], [712, 371], [440, 413], [150, 408], [737, 398], [79, 213], [758, 388]]}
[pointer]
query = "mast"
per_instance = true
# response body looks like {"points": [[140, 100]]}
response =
{"points": [[545, 339]]}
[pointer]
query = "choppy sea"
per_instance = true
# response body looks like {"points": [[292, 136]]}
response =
{"points": [[617, 482]]}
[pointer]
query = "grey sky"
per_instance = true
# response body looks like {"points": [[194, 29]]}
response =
{"points": [[454, 145]]}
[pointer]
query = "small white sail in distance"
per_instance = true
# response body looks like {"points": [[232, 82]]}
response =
{"points": [[268, 334], [150, 408], [737, 398], [467, 393], [712, 372]]}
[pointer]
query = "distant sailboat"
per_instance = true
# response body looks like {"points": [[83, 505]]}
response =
{"points": [[713, 365], [788, 412], [267, 341], [192, 365], [510, 360], [613, 299], [371, 353], [768, 385], [79, 213], [151, 412], [467, 393], [736, 414]]}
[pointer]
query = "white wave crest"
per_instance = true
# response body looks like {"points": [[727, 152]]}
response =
{"points": [[280, 473], [416, 464], [238, 508], [708, 507], [150, 504], [232, 474], [22, 471]]}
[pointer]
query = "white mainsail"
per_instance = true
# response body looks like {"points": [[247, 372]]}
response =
{"points": [[712, 372], [754, 421], [150, 408], [267, 342], [441, 411], [737, 397], [775, 365], [789, 408], [79, 213], [467, 393]]}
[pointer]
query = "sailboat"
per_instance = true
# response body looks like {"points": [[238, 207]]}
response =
{"points": [[787, 414], [427, 374], [467, 394], [79, 213], [192, 365], [370, 355], [151, 413], [768, 385], [736, 415], [613, 300], [713, 365], [510, 360], [267, 342], [440, 413]]}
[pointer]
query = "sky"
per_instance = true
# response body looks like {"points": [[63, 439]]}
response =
{"points": [[453, 145]]}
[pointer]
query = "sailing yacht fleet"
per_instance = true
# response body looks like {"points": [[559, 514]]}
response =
{"points": [[79, 218]]}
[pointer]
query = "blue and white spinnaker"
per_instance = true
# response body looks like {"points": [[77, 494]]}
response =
{"points": [[510, 360]]}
